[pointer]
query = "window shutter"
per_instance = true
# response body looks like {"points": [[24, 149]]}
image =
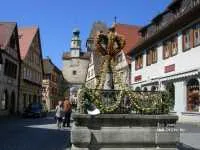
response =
{"points": [[136, 60], [183, 42], [191, 38], [151, 56], [164, 49]]}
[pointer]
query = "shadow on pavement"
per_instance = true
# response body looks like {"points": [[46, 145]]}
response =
{"points": [[33, 134], [182, 146]]}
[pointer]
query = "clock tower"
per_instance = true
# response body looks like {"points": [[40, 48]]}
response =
{"points": [[75, 64]]}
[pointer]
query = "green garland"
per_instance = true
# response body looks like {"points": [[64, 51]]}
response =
{"points": [[142, 102]]}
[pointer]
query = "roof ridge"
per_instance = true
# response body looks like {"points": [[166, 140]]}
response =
{"points": [[131, 25]]}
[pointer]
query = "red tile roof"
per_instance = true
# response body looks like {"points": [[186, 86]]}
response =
{"points": [[26, 35], [6, 30], [130, 33]]}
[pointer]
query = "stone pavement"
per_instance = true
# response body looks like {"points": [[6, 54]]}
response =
{"points": [[190, 131], [190, 118], [33, 134]]}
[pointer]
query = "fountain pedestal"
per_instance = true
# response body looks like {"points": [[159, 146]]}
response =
{"points": [[124, 132]]}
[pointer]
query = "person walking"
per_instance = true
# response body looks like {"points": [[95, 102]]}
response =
{"points": [[59, 114], [67, 111]]}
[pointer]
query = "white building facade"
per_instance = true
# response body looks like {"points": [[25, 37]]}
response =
{"points": [[168, 59]]}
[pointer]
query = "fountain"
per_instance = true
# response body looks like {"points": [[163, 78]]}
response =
{"points": [[127, 119]]}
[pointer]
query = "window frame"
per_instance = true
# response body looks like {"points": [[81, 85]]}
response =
{"points": [[151, 56], [74, 72], [186, 33], [139, 62], [196, 30], [169, 45]]}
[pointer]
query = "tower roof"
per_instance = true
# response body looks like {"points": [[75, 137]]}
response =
{"points": [[76, 31]]}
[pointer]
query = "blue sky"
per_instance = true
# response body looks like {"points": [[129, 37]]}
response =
{"points": [[57, 18]]}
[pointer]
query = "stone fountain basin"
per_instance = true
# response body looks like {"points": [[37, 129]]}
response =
{"points": [[124, 131]]}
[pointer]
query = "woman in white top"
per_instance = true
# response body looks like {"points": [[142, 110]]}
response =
{"points": [[59, 114]]}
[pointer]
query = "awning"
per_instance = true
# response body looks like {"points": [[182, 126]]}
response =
{"points": [[180, 75]]}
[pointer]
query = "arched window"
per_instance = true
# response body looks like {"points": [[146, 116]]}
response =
{"points": [[4, 101], [137, 89], [153, 88], [145, 89]]}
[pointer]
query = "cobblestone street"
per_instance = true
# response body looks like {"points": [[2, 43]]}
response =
{"points": [[33, 134], [42, 134]]}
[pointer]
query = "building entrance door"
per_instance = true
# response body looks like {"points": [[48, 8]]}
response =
{"points": [[193, 97]]}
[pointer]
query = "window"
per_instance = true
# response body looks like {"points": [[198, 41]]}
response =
{"points": [[197, 34], [10, 69], [170, 47], [186, 40], [174, 46], [153, 88], [151, 56], [74, 72], [137, 89], [166, 49], [154, 55], [145, 89], [139, 62], [4, 101]]}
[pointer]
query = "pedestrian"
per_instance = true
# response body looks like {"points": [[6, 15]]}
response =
{"points": [[59, 114], [67, 111]]}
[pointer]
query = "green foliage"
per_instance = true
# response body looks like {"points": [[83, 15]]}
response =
{"points": [[141, 102], [166, 102]]}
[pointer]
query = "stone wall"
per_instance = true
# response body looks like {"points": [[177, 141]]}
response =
{"points": [[78, 65]]}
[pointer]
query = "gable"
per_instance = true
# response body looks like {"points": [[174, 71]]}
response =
{"points": [[6, 31], [26, 36]]}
